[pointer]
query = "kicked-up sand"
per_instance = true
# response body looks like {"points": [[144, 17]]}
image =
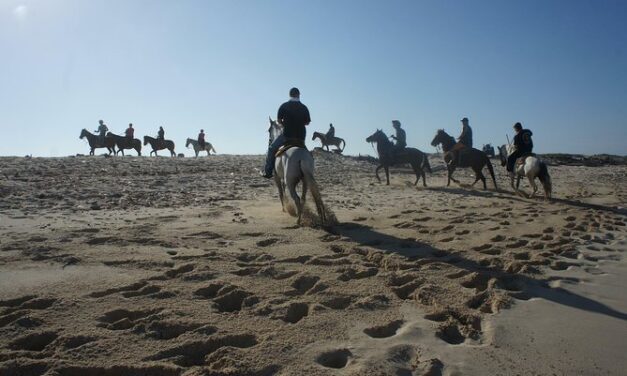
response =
{"points": [[168, 266]]}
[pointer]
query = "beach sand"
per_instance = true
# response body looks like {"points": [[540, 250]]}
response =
{"points": [[182, 266]]}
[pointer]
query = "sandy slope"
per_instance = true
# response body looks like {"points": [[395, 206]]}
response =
{"points": [[159, 266]]}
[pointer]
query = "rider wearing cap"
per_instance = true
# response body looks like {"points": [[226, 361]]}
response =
{"points": [[522, 143], [400, 137], [463, 141], [293, 116], [201, 139]]}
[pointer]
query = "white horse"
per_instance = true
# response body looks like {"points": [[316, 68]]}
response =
{"points": [[532, 168], [295, 165], [197, 149]]}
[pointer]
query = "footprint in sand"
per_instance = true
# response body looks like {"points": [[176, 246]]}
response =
{"points": [[384, 331]]}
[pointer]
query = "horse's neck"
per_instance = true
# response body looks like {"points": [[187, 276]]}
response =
{"points": [[448, 142]]}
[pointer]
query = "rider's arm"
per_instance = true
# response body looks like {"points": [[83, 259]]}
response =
{"points": [[308, 117]]}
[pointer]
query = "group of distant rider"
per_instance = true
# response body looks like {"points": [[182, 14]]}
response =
{"points": [[293, 116], [129, 133]]}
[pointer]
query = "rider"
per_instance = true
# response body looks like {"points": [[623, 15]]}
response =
{"points": [[160, 135], [201, 139], [102, 129], [522, 143], [331, 132], [400, 137], [129, 132], [293, 116], [463, 141]]}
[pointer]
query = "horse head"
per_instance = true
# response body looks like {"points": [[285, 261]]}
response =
{"points": [[275, 129], [84, 133], [146, 140], [189, 141], [437, 139], [503, 154], [377, 136]]}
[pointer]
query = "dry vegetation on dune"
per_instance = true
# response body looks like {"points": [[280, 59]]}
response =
{"points": [[169, 266]]}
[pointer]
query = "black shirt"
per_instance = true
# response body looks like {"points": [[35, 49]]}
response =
{"points": [[294, 116], [523, 141]]}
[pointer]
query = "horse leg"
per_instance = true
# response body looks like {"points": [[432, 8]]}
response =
{"points": [[376, 172], [387, 174], [291, 188], [533, 184], [279, 185]]}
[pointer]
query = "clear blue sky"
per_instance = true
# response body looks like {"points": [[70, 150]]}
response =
{"points": [[559, 67]]}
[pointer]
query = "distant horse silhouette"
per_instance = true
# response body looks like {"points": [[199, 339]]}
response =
{"points": [[469, 157], [532, 168], [123, 143], [295, 165], [389, 157], [198, 149], [339, 143], [156, 144], [96, 143]]}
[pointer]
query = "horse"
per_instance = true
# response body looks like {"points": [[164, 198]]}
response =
{"points": [[96, 143], [123, 143], [295, 165], [197, 149], [532, 168], [339, 143], [389, 157], [469, 157], [159, 145]]}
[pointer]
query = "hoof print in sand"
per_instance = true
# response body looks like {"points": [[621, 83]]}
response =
{"points": [[335, 358], [194, 353], [33, 341], [121, 319], [384, 331]]}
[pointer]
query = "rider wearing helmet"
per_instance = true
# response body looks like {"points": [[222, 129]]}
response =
{"points": [[201, 139], [400, 137], [293, 116], [522, 143]]}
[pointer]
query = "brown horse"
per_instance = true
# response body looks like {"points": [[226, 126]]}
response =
{"points": [[468, 157], [95, 142], [339, 143], [124, 143], [388, 157], [159, 145]]}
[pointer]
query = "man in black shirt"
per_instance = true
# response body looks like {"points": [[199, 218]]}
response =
{"points": [[523, 144], [293, 116]]}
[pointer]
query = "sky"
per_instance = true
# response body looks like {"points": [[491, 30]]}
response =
{"points": [[559, 67]]}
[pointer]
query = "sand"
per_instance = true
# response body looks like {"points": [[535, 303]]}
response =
{"points": [[179, 266]]}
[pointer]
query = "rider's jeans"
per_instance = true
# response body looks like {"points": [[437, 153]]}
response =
{"points": [[270, 158]]}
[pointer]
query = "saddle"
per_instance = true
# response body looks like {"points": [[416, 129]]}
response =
{"points": [[521, 160], [290, 143]]}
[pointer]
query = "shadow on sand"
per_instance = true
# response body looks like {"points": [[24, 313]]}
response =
{"points": [[521, 286]]}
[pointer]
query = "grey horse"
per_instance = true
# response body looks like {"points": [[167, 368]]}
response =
{"points": [[197, 149], [295, 165]]}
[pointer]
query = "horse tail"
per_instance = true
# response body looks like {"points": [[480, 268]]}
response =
{"points": [[343, 144], [545, 179], [308, 179], [491, 169], [425, 163]]}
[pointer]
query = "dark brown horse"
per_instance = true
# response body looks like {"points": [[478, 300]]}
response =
{"points": [[95, 142], [468, 157], [124, 143], [339, 143], [388, 157], [159, 145]]}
